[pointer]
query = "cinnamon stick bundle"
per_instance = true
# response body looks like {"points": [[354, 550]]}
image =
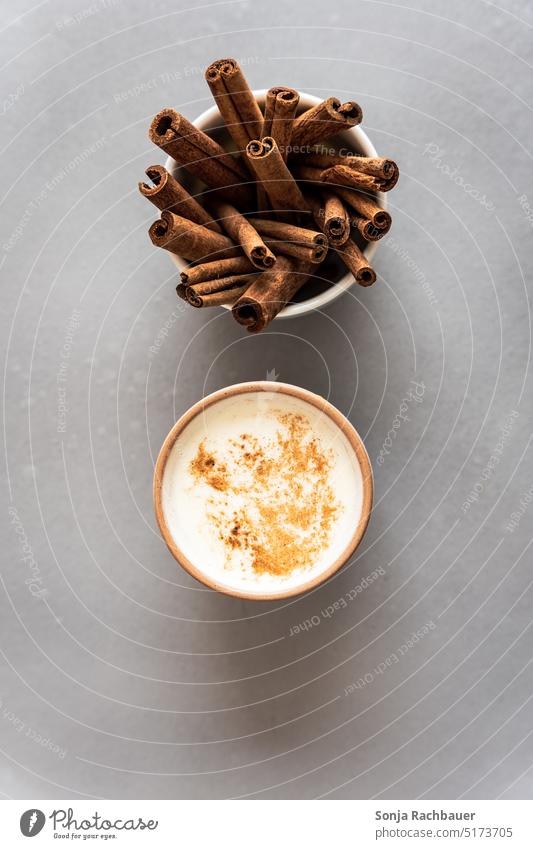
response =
{"points": [[356, 261], [269, 293], [199, 153], [189, 240], [215, 269], [299, 242], [324, 120], [269, 168], [331, 216], [167, 193], [244, 234], [366, 207], [235, 100], [280, 109]]}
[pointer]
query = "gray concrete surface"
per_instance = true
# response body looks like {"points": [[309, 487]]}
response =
{"points": [[121, 676]]}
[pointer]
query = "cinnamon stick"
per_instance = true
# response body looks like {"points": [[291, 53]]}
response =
{"points": [[343, 175], [356, 262], [324, 120], [197, 291], [189, 240], [199, 153], [215, 269], [235, 100], [244, 234], [280, 109], [366, 207], [366, 228], [331, 216], [218, 299], [269, 168], [289, 239], [167, 193], [379, 167], [270, 293]]}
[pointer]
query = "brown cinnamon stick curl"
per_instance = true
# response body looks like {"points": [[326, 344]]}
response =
{"points": [[366, 207], [198, 291], [218, 299], [243, 233], [289, 239], [269, 168], [356, 261], [383, 169], [199, 153], [215, 269], [189, 240], [167, 193], [235, 100], [269, 293], [280, 109], [331, 216], [324, 120]]}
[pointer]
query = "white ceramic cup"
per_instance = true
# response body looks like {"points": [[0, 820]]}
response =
{"points": [[354, 139]]}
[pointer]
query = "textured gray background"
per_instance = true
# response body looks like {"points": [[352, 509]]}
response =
{"points": [[121, 676]]}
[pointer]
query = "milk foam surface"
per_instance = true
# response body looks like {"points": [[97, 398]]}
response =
{"points": [[187, 501]]}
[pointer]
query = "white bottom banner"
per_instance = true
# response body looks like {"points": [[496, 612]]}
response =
{"points": [[266, 824]]}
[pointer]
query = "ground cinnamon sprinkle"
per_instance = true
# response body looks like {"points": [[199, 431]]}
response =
{"points": [[286, 504]]}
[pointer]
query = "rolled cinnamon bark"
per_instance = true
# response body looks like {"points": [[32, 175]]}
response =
{"points": [[235, 100], [280, 109], [199, 153], [215, 269], [324, 120], [272, 291], [243, 233], [345, 176], [331, 216], [269, 168], [167, 193], [189, 240], [299, 242], [366, 228], [366, 207], [310, 253], [218, 299], [197, 291], [356, 261], [379, 167]]}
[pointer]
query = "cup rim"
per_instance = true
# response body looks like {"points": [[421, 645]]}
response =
{"points": [[305, 395], [336, 290]]}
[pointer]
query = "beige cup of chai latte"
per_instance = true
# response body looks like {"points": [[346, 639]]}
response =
{"points": [[262, 490]]}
